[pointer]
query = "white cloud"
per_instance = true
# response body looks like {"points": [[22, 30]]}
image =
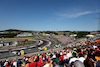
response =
{"points": [[66, 15]]}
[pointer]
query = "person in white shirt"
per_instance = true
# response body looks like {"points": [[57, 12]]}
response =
{"points": [[15, 63], [54, 56], [69, 54], [94, 46], [81, 58], [73, 59], [65, 57], [48, 64]]}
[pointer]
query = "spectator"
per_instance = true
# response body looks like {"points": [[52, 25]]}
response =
{"points": [[73, 59], [87, 54], [97, 57], [15, 63], [32, 63], [81, 58]]}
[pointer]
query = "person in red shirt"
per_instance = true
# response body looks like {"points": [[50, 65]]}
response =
{"points": [[32, 64], [96, 45], [61, 58], [40, 63]]}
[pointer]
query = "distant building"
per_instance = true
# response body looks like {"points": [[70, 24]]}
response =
{"points": [[1, 44], [73, 35], [24, 34], [46, 34], [91, 36]]}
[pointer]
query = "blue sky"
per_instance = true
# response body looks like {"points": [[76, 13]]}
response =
{"points": [[52, 15]]}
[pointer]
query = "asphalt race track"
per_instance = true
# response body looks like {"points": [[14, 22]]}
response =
{"points": [[29, 50]]}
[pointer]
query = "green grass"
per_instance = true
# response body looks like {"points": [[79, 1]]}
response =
{"points": [[27, 43]]}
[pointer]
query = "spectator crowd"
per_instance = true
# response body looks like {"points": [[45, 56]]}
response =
{"points": [[83, 54], [63, 39]]}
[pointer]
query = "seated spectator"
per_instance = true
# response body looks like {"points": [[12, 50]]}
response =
{"points": [[40, 63], [32, 63], [73, 59], [88, 62], [47, 64], [81, 58], [56, 63], [97, 57], [15, 63]]}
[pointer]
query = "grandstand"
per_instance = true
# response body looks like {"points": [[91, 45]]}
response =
{"points": [[88, 50]]}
